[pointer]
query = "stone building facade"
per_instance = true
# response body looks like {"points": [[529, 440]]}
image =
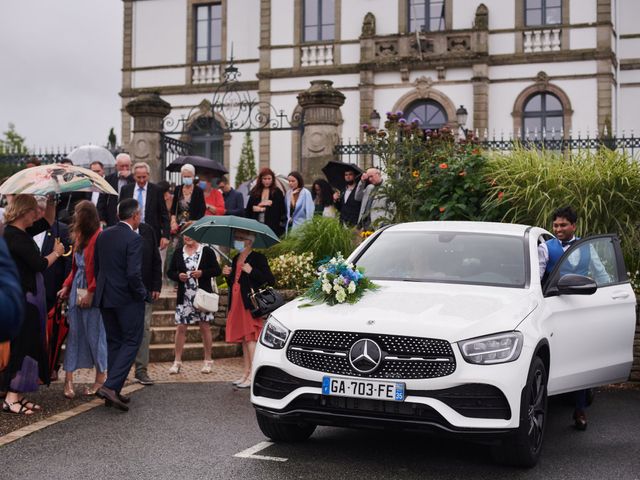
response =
{"points": [[518, 67]]}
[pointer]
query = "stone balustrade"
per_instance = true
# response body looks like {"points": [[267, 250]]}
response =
{"points": [[314, 55], [207, 73], [542, 40]]}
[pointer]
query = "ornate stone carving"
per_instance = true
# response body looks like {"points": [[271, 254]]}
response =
{"points": [[482, 18], [423, 85], [369, 25], [542, 80], [386, 49], [459, 44], [421, 46]]}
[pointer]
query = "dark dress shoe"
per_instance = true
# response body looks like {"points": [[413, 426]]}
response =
{"points": [[111, 398], [143, 378], [580, 420], [123, 399]]}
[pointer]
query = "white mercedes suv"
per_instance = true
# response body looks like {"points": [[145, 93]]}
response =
{"points": [[463, 336]]}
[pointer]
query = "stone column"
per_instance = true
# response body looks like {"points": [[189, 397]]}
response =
{"points": [[321, 105], [148, 111]]}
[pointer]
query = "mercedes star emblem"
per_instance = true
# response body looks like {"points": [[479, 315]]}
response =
{"points": [[365, 355]]}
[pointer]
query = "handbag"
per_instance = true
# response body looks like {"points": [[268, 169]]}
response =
{"points": [[206, 301], [265, 301]]}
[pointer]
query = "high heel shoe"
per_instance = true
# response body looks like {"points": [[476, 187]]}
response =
{"points": [[68, 390], [175, 368], [240, 380], [90, 391], [206, 368]]}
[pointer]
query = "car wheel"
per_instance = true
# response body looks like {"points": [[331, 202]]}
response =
{"points": [[279, 431], [523, 448]]}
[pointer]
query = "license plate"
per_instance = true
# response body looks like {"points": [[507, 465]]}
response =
{"points": [[354, 387]]}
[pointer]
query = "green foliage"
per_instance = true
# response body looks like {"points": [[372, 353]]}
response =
{"points": [[247, 166], [601, 185], [292, 271], [321, 236], [13, 142], [429, 175]]}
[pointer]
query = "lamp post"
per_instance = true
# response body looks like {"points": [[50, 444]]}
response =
{"points": [[374, 119], [461, 117]]}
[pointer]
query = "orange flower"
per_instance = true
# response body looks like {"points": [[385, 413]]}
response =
{"points": [[475, 151], [442, 209], [444, 166], [415, 174], [462, 173], [500, 195]]}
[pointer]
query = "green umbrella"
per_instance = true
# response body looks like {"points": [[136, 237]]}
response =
{"points": [[218, 230]]}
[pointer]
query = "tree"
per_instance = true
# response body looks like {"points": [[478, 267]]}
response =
{"points": [[247, 166], [13, 142]]}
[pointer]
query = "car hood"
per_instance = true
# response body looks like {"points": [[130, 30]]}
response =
{"points": [[435, 310]]}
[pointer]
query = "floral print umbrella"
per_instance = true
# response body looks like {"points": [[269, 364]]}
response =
{"points": [[55, 178]]}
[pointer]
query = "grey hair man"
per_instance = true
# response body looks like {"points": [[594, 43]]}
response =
{"points": [[373, 208]]}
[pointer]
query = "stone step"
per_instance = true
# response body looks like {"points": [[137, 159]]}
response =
{"points": [[164, 352], [168, 334], [166, 318]]}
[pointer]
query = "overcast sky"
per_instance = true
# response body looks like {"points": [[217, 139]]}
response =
{"points": [[60, 75]]}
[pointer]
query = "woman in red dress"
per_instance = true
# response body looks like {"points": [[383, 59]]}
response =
{"points": [[248, 270]]}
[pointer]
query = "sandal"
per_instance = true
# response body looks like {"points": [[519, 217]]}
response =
{"points": [[6, 408], [90, 391], [207, 367], [29, 405], [175, 368]]}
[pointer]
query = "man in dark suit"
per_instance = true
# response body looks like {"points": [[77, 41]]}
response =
{"points": [[107, 204], [11, 296], [152, 278], [346, 201], [57, 273], [120, 294], [152, 204]]}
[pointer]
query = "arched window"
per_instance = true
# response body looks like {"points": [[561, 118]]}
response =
{"points": [[429, 112], [542, 112], [207, 138]]}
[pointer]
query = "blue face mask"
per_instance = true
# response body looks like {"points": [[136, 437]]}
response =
{"points": [[238, 245], [187, 181], [202, 184]]}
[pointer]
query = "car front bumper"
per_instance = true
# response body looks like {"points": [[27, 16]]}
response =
{"points": [[473, 399]]}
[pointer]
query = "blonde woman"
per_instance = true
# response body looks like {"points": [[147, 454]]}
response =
{"points": [[21, 218]]}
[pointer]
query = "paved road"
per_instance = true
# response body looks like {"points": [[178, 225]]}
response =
{"points": [[178, 431]]}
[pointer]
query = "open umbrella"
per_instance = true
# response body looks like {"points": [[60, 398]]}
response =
{"points": [[334, 171], [85, 155], [55, 178], [202, 164], [218, 230]]}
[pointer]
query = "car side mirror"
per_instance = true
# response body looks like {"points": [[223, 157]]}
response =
{"points": [[572, 284]]}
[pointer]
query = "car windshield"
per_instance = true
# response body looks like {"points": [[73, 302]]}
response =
{"points": [[449, 257]]}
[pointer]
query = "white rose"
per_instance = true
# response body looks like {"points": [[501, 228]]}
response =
{"points": [[352, 287], [326, 287], [341, 296]]}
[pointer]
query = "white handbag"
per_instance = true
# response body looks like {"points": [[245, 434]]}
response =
{"points": [[206, 301]]}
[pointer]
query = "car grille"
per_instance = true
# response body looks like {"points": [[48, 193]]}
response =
{"points": [[402, 357]]}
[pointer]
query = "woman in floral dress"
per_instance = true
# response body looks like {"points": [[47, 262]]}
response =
{"points": [[193, 266]]}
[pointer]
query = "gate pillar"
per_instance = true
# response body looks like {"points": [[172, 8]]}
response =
{"points": [[322, 120], [148, 110]]}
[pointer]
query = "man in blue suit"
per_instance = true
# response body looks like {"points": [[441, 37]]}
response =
{"points": [[120, 294]]}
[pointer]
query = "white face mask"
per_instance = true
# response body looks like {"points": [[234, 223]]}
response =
{"points": [[238, 245]]}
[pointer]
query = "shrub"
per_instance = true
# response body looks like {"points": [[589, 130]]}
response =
{"points": [[429, 174], [601, 185], [293, 271], [320, 236]]}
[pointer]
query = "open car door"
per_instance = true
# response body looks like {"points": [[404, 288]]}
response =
{"points": [[592, 316]]}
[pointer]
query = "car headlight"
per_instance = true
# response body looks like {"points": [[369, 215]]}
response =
{"points": [[498, 348], [274, 335]]}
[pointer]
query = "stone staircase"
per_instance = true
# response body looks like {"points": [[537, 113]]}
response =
{"points": [[163, 331]]}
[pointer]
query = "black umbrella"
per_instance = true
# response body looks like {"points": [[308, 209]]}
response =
{"points": [[334, 171], [202, 164]]}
